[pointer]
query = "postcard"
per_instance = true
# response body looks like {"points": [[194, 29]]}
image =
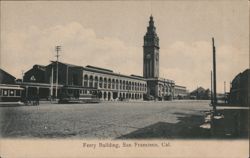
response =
{"points": [[139, 79]]}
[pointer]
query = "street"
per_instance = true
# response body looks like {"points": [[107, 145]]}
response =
{"points": [[107, 120]]}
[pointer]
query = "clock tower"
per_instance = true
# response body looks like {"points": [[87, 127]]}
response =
{"points": [[151, 52]]}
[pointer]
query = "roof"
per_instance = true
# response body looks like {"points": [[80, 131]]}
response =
{"points": [[6, 73], [200, 89], [180, 86], [5, 77], [113, 73], [10, 86], [41, 67], [70, 65], [98, 68]]}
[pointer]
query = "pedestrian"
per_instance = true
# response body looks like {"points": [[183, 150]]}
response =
{"points": [[37, 99]]}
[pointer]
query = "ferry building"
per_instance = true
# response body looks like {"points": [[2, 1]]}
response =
{"points": [[101, 82]]}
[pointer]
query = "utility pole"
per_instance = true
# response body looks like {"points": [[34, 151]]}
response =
{"points": [[212, 87], [164, 89], [51, 82], [119, 86], [225, 95], [214, 76], [58, 48]]}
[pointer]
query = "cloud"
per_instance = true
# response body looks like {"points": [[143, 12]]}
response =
{"points": [[189, 64], [81, 46]]}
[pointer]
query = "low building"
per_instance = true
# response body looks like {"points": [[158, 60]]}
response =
{"points": [[180, 92], [239, 91], [77, 80], [201, 94]]}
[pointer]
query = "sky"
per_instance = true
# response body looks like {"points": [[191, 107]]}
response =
{"points": [[109, 34]]}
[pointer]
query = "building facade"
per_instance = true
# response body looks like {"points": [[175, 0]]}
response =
{"points": [[104, 83], [239, 91], [180, 92], [76, 80]]}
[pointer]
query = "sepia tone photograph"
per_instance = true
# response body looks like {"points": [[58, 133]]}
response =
{"points": [[124, 76]]}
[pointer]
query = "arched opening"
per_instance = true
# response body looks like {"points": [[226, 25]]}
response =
{"points": [[126, 85], [109, 83], [109, 95], [100, 94], [105, 82], [91, 81], [120, 84], [85, 82], [100, 82], [123, 85], [120, 96], [104, 95], [113, 83], [116, 84], [115, 95], [96, 82]]}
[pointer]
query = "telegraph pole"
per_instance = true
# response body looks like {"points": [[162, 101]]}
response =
{"points": [[52, 80], [212, 88], [225, 95], [164, 89], [119, 86], [58, 48], [22, 75], [214, 76]]}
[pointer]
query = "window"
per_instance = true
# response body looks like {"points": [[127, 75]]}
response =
{"points": [[5, 92], [18, 93], [0, 92], [11, 92], [32, 78], [75, 79]]}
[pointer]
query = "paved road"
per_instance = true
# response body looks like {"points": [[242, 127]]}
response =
{"points": [[104, 120]]}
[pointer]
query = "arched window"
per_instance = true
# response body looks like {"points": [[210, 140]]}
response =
{"points": [[91, 81], [123, 85], [113, 83], [109, 83], [100, 82], [105, 83], [96, 82], [85, 83], [116, 84]]}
